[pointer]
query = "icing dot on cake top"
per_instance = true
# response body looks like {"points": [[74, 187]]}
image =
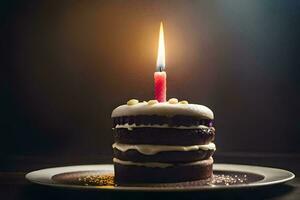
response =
{"points": [[184, 102], [173, 101], [132, 102], [170, 108], [151, 102]]}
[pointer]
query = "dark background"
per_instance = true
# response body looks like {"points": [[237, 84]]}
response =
{"points": [[67, 64]]}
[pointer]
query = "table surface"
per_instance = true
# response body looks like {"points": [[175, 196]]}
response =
{"points": [[15, 186]]}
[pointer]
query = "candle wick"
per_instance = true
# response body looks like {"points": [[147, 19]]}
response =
{"points": [[160, 68]]}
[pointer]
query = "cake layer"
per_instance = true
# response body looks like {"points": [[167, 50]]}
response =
{"points": [[167, 136], [171, 121], [130, 172], [164, 109], [163, 157]]}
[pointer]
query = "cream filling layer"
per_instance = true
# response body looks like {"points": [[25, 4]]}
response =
{"points": [[148, 149], [132, 126], [161, 165]]}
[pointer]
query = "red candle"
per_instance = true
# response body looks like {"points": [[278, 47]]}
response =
{"points": [[160, 76], [160, 84]]}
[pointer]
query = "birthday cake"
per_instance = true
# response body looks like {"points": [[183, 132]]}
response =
{"points": [[162, 142]]}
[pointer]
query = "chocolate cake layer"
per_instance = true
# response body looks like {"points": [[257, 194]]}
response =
{"points": [[168, 136], [130, 174], [166, 156], [177, 120]]}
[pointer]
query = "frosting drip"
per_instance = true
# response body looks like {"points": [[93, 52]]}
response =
{"points": [[148, 149], [161, 165]]}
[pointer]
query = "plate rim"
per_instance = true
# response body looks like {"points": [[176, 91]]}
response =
{"points": [[45, 178]]}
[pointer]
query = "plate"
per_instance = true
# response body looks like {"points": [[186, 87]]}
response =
{"points": [[100, 177]]}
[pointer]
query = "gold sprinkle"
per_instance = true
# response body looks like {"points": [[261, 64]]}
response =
{"points": [[98, 180]]}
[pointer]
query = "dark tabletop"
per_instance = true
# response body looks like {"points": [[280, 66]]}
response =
{"points": [[15, 186]]}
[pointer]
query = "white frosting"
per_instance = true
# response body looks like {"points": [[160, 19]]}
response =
{"points": [[163, 109], [132, 126], [161, 165], [148, 149]]}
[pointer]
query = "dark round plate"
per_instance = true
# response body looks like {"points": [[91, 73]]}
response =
{"points": [[100, 177]]}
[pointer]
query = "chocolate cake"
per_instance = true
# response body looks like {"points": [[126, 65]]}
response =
{"points": [[162, 142]]}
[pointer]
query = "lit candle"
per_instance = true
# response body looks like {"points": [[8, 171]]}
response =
{"points": [[160, 76]]}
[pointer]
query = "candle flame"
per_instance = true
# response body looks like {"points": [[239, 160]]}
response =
{"points": [[161, 62]]}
